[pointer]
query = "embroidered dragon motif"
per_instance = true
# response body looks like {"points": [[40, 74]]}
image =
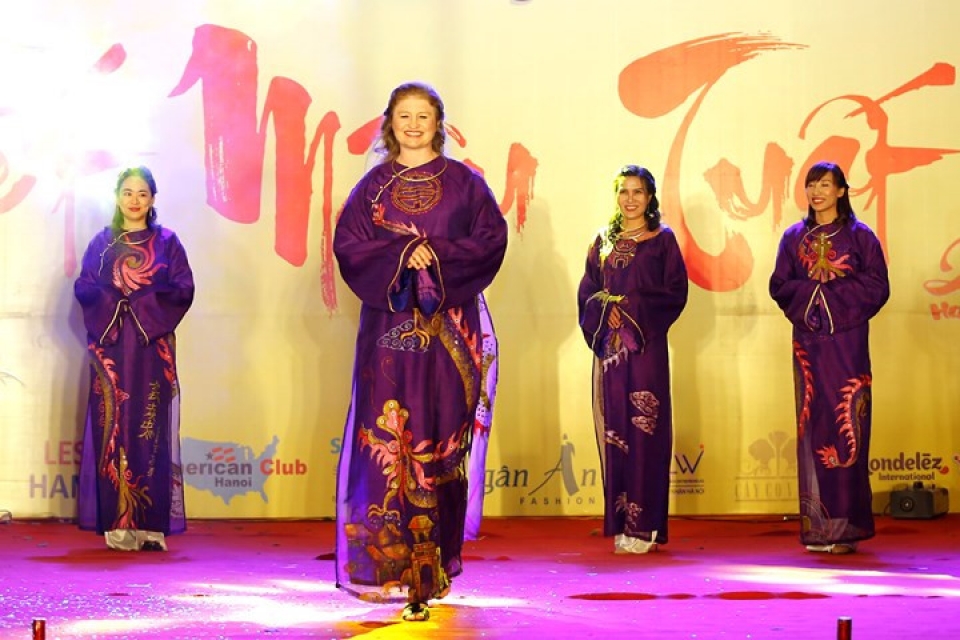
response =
{"points": [[850, 413], [821, 260], [804, 387]]}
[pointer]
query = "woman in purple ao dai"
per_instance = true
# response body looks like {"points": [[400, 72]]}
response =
{"points": [[419, 239], [135, 287], [829, 280], [633, 289]]}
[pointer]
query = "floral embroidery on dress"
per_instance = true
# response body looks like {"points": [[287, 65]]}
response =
{"points": [[630, 509]]}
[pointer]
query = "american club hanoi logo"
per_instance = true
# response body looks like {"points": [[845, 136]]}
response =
{"points": [[230, 469]]}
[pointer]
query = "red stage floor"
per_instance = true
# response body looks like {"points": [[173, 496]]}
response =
{"points": [[526, 578]]}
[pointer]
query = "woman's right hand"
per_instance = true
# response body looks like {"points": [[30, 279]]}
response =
{"points": [[421, 258], [614, 320]]}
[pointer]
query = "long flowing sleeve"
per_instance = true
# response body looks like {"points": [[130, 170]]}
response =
{"points": [[373, 265], [840, 303], [648, 290], [373, 261], [658, 302], [159, 308], [99, 300], [466, 266], [148, 284], [853, 300], [790, 286], [592, 307]]}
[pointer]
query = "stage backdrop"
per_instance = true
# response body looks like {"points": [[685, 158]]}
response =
{"points": [[257, 118]]}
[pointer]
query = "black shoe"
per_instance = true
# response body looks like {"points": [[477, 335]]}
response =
{"points": [[151, 545]]}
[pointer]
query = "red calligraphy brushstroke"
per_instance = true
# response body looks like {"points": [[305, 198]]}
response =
{"points": [[89, 163], [678, 72], [727, 184], [224, 62], [16, 192], [941, 74], [328, 280], [363, 139], [945, 287], [287, 102], [111, 60], [455, 134], [882, 159], [521, 174]]}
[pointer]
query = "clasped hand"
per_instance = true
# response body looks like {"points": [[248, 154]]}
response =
{"points": [[614, 319], [421, 258]]}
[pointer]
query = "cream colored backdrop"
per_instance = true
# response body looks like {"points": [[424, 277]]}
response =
{"points": [[725, 102]]}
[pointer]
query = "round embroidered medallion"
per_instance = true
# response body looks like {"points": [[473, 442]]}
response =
{"points": [[415, 197]]}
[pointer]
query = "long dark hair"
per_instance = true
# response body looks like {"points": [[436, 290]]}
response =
{"points": [[845, 212], [147, 176], [651, 215], [388, 144]]}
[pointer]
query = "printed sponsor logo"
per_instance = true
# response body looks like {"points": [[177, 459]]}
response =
{"points": [[54, 484], [230, 469], [769, 474], [684, 480], [909, 467], [560, 485]]}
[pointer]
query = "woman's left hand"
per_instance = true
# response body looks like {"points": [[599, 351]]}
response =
{"points": [[421, 258]]}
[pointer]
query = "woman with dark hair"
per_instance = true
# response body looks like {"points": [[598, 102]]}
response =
{"points": [[830, 279], [134, 288], [419, 239], [633, 290]]}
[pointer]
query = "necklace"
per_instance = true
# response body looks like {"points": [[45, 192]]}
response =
{"points": [[123, 240], [822, 235], [399, 174], [633, 234]]}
